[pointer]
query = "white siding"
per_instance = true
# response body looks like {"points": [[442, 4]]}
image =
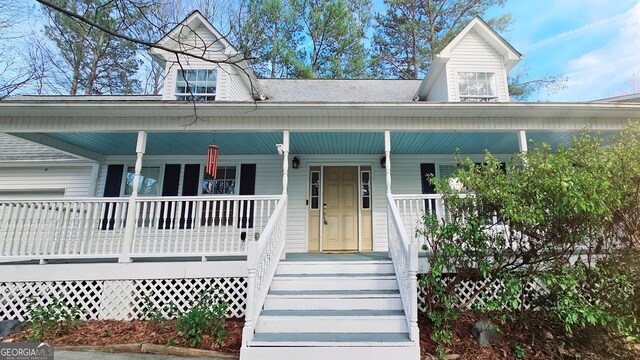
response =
{"points": [[474, 54], [74, 180], [230, 85], [439, 92]]}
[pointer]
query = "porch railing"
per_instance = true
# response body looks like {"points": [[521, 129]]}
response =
{"points": [[404, 254], [412, 208], [263, 257], [62, 228], [199, 225], [162, 226]]}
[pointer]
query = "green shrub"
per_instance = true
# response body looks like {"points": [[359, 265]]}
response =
{"points": [[50, 320], [568, 219], [207, 315]]}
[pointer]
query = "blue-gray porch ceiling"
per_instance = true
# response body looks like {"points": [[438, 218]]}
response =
{"points": [[263, 143]]}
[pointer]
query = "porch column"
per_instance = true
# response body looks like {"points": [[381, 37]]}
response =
{"points": [[130, 226], [387, 158], [285, 161], [522, 141]]}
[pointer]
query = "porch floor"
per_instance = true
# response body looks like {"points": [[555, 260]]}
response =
{"points": [[362, 256]]}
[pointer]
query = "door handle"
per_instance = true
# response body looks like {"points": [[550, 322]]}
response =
{"points": [[324, 220]]}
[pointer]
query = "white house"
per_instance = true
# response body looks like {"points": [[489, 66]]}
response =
{"points": [[308, 227]]}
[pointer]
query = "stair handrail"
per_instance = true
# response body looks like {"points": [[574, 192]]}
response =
{"points": [[404, 254], [263, 257]]}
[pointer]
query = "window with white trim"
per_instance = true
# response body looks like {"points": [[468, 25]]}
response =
{"points": [[365, 180], [315, 190], [196, 85], [477, 87], [224, 184], [149, 184]]}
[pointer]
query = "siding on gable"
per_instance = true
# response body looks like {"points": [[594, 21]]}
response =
{"points": [[474, 54], [230, 86], [439, 92], [76, 181]]}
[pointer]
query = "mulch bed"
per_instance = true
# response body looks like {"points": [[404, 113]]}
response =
{"points": [[106, 332], [540, 337]]}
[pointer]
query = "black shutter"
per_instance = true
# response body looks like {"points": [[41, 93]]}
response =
{"points": [[247, 187], [169, 188], [112, 187], [427, 172], [190, 183]]}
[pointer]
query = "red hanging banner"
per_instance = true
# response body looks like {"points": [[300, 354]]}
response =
{"points": [[212, 161]]}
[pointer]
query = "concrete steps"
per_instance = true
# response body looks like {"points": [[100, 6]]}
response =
{"points": [[337, 309]]}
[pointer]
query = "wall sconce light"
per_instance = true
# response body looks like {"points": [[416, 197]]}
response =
{"points": [[383, 162], [295, 163]]}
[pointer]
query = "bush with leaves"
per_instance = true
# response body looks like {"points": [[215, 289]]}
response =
{"points": [[207, 315], [566, 219], [50, 320]]}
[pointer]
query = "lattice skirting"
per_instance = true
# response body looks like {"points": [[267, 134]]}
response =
{"points": [[466, 289], [121, 299]]}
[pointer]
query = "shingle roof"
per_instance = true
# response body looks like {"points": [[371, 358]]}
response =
{"points": [[15, 149], [341, 91]]}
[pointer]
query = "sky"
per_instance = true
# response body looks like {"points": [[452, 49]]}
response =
{"points": [[594, 43]]}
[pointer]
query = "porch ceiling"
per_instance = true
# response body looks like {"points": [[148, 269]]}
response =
{"points": [[263, 143]]}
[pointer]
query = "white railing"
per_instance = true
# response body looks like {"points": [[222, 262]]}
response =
{"points": [[157, 227], [404, 253], [263, 257], [61, 228], [198, 225], [412, 208]]}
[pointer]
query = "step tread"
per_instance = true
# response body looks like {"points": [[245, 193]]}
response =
{"points": [[338, 275], [327, 313], [324, 293], [342, 338]]}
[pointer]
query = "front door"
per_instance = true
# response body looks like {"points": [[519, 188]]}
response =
{"points": [[340, 209]]}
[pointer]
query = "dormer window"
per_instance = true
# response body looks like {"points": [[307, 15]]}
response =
{"points": [[477, 87], [196, 85]]}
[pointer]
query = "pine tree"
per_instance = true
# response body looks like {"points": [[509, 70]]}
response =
{"points": [[336, 30], [411, 32], [93, 62]]}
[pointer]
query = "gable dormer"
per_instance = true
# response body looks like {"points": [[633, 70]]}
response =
{"points": [[204, 66], [473, 67]]}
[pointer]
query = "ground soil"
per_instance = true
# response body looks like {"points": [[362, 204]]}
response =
{"points": [[538, 336]]}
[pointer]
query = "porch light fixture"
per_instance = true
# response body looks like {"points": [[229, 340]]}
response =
{"points": [[295, 163], [383, 162]]}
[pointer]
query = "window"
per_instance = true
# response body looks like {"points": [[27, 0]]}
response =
{"points": [[198, 85], [149, 181], [476, 87], [225, 184], [315, 190], [365, 178]]}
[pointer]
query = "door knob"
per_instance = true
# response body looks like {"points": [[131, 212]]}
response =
{"points": [[324, 219]]}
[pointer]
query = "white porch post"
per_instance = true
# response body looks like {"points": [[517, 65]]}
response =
{"points": [[522, 141], [387, 157], [130, 226], [285, 161]]}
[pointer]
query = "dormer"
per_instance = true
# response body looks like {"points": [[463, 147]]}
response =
{"points": [[473, 67], [201, 65]]}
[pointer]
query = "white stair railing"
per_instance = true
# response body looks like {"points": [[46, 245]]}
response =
{"points": [[263, 257], [404, 254]]}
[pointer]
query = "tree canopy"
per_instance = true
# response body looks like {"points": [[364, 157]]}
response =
{"points": [[336, 39]]}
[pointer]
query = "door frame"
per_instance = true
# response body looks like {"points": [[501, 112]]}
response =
{"points": [[359, 165]]}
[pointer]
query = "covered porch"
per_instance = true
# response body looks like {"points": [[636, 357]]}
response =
{"points": [[150, 216]]}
